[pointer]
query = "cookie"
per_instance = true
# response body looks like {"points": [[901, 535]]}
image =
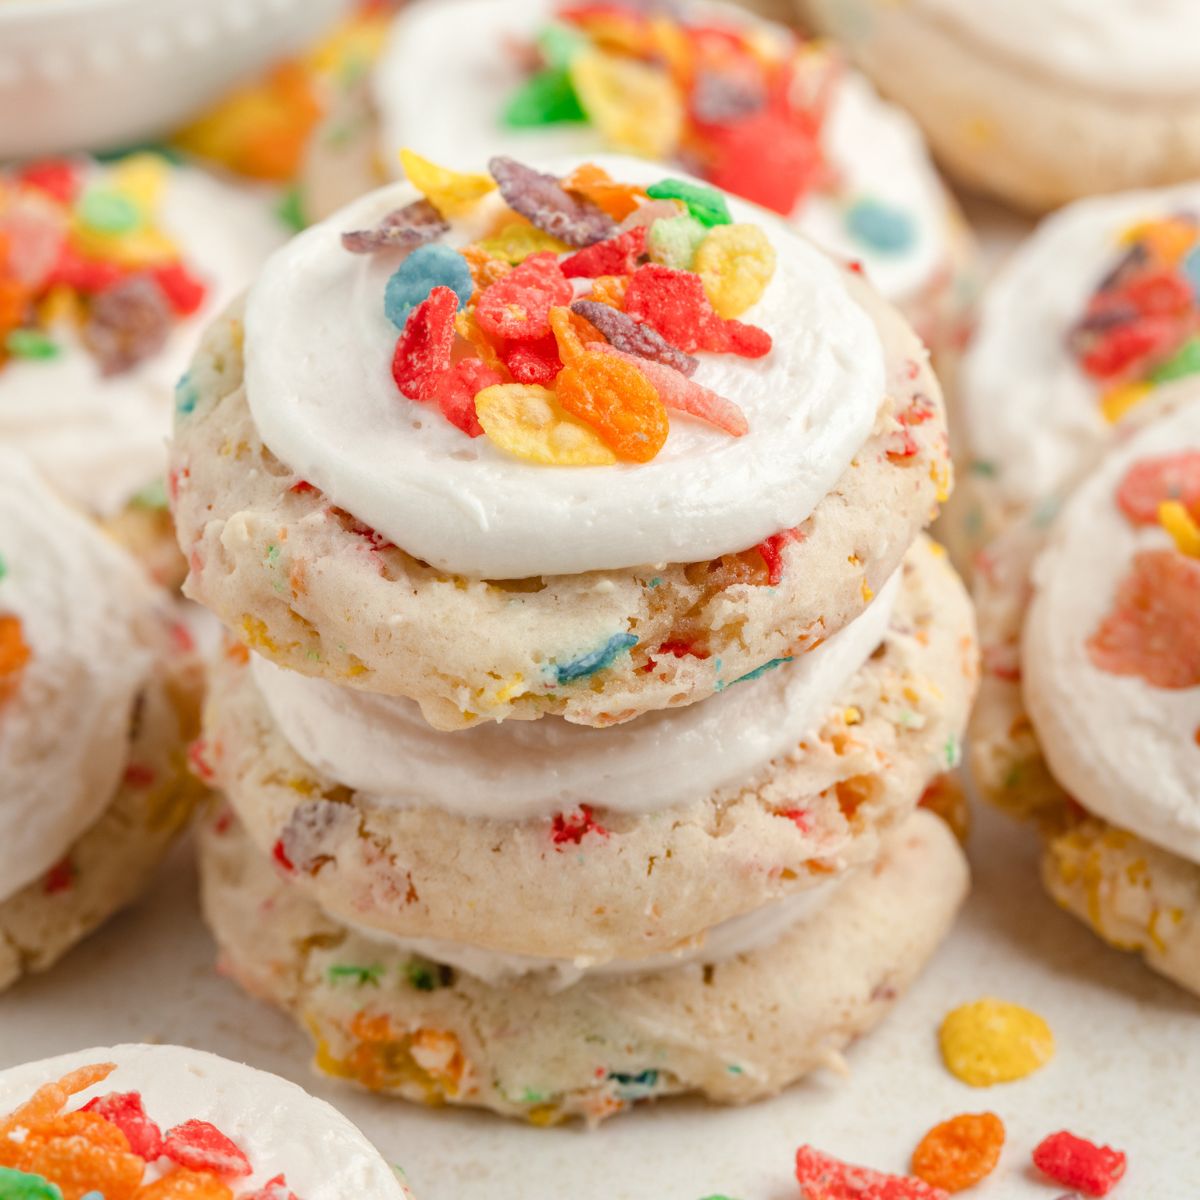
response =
{"points": [[733, 1030], [177, 1122], [1071, 337], [1039, 102], [325, 534], [1089, 712], [98, 696], [586, 846], [537, 78], [112, 271]]}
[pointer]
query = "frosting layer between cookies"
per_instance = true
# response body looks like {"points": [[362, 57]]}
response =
{"points": [[318, 350], [71, 665], [382, 746]]}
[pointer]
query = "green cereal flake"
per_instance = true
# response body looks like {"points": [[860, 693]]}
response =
{"points": [[359, 976], [953, 752], [290, 210], [427, 976], [706, 204], [673, 241], [272, 554], [32, 344], [108, 212]]}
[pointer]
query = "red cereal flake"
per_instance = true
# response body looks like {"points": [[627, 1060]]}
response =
{"points": [[126, 1111], [772, 552], [573, 827], [1149, 482], [200, 1146], [823, 1177], [198, 761], [517, 306], [57, 177], [138, 775], [425, 344], [536, 361], [615, 256], [84, 275], [303, 488], [960, 1152], [674, 303], [798, 817], [1153, 631], [59, 878], [1077, 1163], [273, 1189], [280, 855], [456, 391], [184, 292]]}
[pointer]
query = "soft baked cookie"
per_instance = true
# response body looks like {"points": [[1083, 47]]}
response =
{"points": [[1086, 320], [709, 87], [735, 1029], [98, 696], [1090, 703], [588, 846], [169, 1121], [1037, 101], [108, 273], [346, 532]]}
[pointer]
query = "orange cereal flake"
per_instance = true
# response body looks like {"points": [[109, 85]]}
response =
{"points": [[617, 401], [960, 1152]]}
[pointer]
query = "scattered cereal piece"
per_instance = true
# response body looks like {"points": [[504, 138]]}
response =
{"points": [[771, 158], [517, 240], [126, 1111], [528, 422], [706, 204], [425, 344], [594, 183], [546, 98], [673, 241], [1182, 527], [574, 826], [1077, 1163], [880, 227], [735, 263], [14, 654], [823, 1177], [634, 105], [1149, 482], [452, 193], [533, 361], [772, 549], [273, 1189], [427, 267], [541, 200], [412, 225], [201, 1146], [127, 323], [517, 306], [634, 337], [573, 333], [614, 256], [186, 1185], [456, 391], [611, 395], [960, 1152], [992, 1041]]}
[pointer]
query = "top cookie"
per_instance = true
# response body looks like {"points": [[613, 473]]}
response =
{"points": [[624, 420]]}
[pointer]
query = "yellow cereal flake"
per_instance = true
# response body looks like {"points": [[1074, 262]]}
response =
{"points": [[735, 263], [526, 421], [635, 106], [992, 1041], [1117, 401], [141, 178], [1178, 522], [452, 193], [1167, 238], [516, 240]]}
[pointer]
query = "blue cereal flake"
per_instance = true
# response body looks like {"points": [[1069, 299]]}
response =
{"points": [[186, 397], [880, 227], [427, 267], [767, 666], [596, 660], [634, 1087]]}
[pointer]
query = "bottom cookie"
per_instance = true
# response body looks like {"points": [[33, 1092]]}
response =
{"points": [[734, 1031]]}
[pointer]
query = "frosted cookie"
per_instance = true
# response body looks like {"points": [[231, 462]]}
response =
{"points": [[1037, 101], [1090, 715], [718, 92], [98, 698], [1086, 321], [628, 499], [108, 273], [167, 1123], [578, 846], [733, 1028]]}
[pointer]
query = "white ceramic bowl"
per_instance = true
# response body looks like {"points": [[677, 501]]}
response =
{"points": [[98, 74]]}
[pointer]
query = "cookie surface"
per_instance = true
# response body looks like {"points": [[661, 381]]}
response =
{"points": [[733, 1031], [601, 880]]}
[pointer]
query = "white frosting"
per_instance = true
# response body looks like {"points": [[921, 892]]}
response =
{"points": [[1145, 46], [318, 380], [875, 148], [1126, 750], [739, 935], [382, 747], [1030, 409], [277, 1125], [64, 733], [100, 440]]}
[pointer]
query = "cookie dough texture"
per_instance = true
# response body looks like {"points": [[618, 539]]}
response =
{"points": [[308, 586], [649, 883], [733, 1031], [1014, 128]]}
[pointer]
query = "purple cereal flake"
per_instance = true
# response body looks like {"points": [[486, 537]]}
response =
{"points": [[719, 97], [410, 226], [542, 200], [127, 324], [624, 333]]}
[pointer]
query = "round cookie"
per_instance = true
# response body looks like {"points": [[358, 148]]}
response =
{"points": [[615, 863], [1087, 320], [178, 1122], [848, 169], [735, 1030], [99, 692], [1039, 102], [110, 273], [568, 617]]}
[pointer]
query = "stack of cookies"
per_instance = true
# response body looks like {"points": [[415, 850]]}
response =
{"points": [[591, 663]]}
